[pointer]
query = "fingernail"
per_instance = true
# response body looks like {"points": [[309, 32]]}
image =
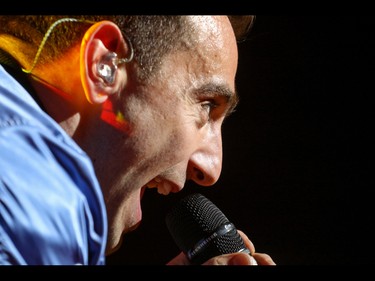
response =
{"points": [[253, 261]]}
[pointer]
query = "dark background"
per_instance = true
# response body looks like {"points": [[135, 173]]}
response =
{"points": [[297, 152]]}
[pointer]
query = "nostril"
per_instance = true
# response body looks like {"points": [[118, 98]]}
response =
{"points": [[199, 174]]}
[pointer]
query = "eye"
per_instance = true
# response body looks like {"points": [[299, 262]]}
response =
{"points": [[209, 105], [206, 111]]}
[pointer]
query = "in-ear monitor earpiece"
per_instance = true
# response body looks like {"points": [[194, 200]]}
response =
{"points": [[107, 67]]}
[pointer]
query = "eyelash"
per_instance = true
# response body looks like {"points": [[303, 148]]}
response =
{"points": [[210, 104], [207, 107]]}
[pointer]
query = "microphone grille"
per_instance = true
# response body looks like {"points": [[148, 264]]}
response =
{"points": [[195, 218]]}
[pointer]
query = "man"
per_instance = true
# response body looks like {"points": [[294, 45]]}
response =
{"points": [[142, 98]]}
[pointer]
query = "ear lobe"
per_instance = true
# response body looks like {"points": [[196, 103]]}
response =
{"points": [[99, 45]]}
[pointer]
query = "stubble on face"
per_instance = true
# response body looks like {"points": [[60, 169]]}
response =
{"points": [[163, 117]]}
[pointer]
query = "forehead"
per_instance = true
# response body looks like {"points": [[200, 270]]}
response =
{"points": [[214, 49], [210, 61], [210, 27]]}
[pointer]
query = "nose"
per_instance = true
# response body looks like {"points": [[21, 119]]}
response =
{"points": [[205, 163]]}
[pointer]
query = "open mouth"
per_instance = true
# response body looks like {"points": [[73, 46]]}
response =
{"points": [[164, 187], [154, 183]]}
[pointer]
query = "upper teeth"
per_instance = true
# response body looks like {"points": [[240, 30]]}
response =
{"points": [[154, 183]]}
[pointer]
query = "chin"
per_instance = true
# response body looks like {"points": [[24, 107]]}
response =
{"points": [[113, 246]]}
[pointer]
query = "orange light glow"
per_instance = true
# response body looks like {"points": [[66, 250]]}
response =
{"points": [[115, 119]]}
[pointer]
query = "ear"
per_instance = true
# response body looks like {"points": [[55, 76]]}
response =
{"points": [[102, 40]]}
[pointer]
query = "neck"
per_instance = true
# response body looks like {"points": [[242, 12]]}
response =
{"points": [[57, 104], [60, 91], [16, 49]]}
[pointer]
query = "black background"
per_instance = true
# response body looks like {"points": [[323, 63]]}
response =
{"points": [[297, 174]]}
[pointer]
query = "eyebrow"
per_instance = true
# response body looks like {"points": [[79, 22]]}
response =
{"points": [[217, 90]]}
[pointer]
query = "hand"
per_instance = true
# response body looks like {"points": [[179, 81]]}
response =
{"points": [[231, 259]]}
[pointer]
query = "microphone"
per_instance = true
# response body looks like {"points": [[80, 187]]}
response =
{"points": [[201, 230]]}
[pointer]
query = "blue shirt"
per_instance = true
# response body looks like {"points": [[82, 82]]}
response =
{"points": [[52, 210]]}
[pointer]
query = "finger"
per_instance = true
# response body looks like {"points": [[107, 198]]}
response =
{"points": [[181, 259], [263, 259], [247, 241], [232, 259]]}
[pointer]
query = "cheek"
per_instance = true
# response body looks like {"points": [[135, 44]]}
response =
{"points": [[162, 128], [175, 140], [172, 142]]}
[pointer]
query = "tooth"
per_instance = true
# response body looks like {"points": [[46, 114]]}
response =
{"points": [[162, 191], [152, 184], [164, 188]]}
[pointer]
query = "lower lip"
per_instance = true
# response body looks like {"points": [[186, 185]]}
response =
{"points": [[143, 189], [138, 214]]}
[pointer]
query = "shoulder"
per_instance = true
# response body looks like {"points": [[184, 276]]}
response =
{"points": [[52, 207], [51, 203]]}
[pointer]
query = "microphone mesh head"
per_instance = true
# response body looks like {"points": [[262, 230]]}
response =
{"points": [[195, 218]]}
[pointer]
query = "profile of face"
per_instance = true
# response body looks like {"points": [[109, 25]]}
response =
{"points": [[173, 126]]}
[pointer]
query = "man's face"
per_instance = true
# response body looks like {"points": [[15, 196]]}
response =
{"points": [[174, 126]]}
